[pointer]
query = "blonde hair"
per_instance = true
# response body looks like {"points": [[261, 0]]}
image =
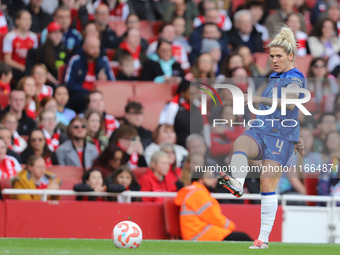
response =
{"points": [[157, 155], [285, 39]]}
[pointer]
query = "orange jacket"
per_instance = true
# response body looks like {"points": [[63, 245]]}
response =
{"points": [[200, 216]]}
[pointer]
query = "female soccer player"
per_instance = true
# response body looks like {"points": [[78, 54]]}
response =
{"points": [[272, 143]]}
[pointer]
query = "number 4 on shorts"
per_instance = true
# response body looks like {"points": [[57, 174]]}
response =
{"points": [[278, 145]]}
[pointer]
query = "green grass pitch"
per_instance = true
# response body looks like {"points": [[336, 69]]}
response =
{"points": [[103, 247]]}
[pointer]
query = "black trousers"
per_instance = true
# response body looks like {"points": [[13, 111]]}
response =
{"points": [[237, 236]]}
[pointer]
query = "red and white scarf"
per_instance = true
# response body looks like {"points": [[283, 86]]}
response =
{"points": [[7, 169], [111, 124], [16, 143], [52, 142], [46, 91], [301, 38], [3, 24], [133, 160], [31, 109], [43, 183]]}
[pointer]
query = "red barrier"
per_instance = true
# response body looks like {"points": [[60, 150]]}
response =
{"points": [[82, 219], [247, 219]]}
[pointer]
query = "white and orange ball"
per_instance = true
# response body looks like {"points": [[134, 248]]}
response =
{"points": [[127, 234]]}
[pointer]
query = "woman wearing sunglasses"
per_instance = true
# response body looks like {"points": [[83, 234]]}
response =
{"points": [[322, 85], [37, 145], [76, 151]]}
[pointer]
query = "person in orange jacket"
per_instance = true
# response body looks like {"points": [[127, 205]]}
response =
{"points": [[201, 218]]}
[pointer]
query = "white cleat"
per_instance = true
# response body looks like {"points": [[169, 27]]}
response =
{"points": [[231, 184], [258, 244]]}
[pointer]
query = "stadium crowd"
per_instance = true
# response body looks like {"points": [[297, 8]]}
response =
{"points": [[55, 54]]}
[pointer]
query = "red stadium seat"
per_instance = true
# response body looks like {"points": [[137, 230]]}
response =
{"points": [[149, 88], [145, 29], [153, 106], [153, 39], [261, 59], [68, 184], [156, 26], [110, 53], [171, 216], [116, 95], [61, 74], [139, 172], [236, 4], [311, 182], [303, 63], [5, 184], [311, 3], [67, 172], [118, 26], [4, 100]]}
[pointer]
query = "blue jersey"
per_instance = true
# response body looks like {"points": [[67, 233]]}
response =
{"points": [[275, 128]]}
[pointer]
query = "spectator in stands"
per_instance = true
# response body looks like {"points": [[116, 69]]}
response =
{"points": [[37, 145], [53, 53], [123, 176], [127, 139], [322, 85], [323, 41], [331, 146], [48, 124], [109, 39], [177, 113], [165, 134], [49, 103], [244, 32], [195, 144], [134, 116], [80, 16], [83, 70], [6, 135], [126, 68], [326, 124], [294, 22], [71, 38], [179, 24], [76, 151], [90, 30], [6, 76], [209, 13], [17, 43], [205, 222], [253, 69], [64, 115], [156, 178], [40, 19], [162, 65], [16, 105], [256, 9], [93, 181], [148, 10], [16, 142], [209, 31], [280, 16], [175, 172], [186, 10], [28, 85], [167, 33], [35, 176], [203, 67], [233, 61], [39, 74], [132, 21], [109, 160], [95, 132], [9, 166], [118, 10], [7, 23], [95, 100], [132, 45], [333, 13], [223, 136]]}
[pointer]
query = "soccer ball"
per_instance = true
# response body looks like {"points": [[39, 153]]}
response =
{"points": [[127, 234]]}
